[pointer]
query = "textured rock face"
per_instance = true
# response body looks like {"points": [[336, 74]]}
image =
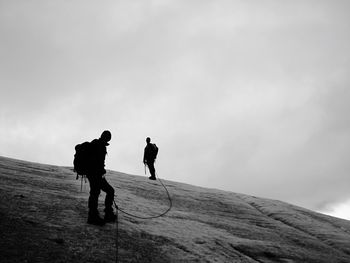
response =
{"points": [[43, 219]]}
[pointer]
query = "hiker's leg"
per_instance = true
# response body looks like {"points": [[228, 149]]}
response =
{"points": [[108, 189], [152, 170], [109, 215], [95, 190]]}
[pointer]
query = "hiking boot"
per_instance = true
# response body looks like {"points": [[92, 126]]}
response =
{"points": [[110, 217], [95, 219], [152, 178]]}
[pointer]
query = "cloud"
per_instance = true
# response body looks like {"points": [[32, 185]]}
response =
{"points": [[341, 210]]}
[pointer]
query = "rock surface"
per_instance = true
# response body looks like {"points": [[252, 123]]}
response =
{"points": [[43, 216]]}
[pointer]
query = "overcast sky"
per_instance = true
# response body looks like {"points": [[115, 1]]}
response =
{"points": [[246, 96]]}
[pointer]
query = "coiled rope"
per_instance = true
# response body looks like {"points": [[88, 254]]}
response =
{"points": [[139, 217]]}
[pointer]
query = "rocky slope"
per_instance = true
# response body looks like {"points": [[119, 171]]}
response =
{"points": [[43, 219]]}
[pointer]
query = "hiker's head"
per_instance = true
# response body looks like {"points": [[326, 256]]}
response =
{"points": [[106, 137], [148, 140]]}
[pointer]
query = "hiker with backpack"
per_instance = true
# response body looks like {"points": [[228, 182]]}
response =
{"points": [[149, 157], [90, 161]]}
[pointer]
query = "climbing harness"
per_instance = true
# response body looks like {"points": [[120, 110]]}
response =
{"points": [[139, 217]]}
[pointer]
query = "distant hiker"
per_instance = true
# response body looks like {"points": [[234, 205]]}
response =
{"points": [[96, 175], [149, 156]]}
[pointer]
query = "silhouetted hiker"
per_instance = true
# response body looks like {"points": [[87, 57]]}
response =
{"points": [[96, 175], [149, 156]]}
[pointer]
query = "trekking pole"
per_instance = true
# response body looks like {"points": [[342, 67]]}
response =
{"points": [[81, 186], [84, 183]]}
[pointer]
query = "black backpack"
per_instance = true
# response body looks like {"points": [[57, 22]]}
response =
{"points": [[154, 150], [82, 158]]}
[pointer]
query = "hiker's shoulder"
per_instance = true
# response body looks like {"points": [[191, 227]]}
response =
{"points": [[95, 143]]}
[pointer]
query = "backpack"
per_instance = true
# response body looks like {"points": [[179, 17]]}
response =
{"points": [[82, 158], [154, 150]]}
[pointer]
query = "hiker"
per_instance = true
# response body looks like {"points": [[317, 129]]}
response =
{"points": [[149, 156], [96, 176]]}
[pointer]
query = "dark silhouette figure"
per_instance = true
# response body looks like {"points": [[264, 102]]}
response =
{"points": [[149, 157], [96, 176]]}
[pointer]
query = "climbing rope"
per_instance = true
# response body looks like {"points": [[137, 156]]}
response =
{"points": [[150, 217], [139, 217], [116, 235]]}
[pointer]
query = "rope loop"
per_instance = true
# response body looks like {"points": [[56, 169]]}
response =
{"points": [[139, 217], [150, 217]]}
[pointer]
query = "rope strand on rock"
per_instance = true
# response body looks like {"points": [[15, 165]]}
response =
{"points": [[139, 217]]}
